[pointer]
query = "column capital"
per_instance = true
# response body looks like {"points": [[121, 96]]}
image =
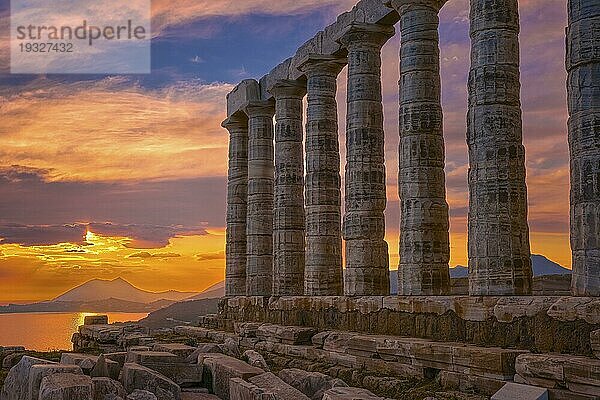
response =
{"points": [[403, 6], [359, 34], [288, 88], [233, 123], [315, 63], [260, 108]]}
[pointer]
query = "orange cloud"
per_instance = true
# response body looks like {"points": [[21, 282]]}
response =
{"points": [[114, 130], [43, 272]]}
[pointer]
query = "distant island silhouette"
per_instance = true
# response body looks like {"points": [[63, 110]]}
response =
{"points": [[118, 295]]}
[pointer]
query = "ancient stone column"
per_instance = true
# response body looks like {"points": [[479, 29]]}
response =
{"points": [[288, 222], [259, 270], [424, 223], [237, 198], [499, 253], [323, 271], [583, 65], [367, 258]]}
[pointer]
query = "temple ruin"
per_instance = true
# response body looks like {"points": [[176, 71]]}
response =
{"points": [[285, 225]]}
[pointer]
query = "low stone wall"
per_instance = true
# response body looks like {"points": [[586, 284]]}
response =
{"points": [[540, 324]]}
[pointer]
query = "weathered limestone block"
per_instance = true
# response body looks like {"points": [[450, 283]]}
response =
{"points": [[11, 360], [138, 394], [499, 253], [85, 361], [192, 331], [222, 368], [16, 384], [583, 87], [135, 376], [367, 258], [106, 386], [65, 386], [319, 339], [246, 91], [7, 350], [149, 357], [578, 374], [279, 73], [349, 393], [40, 371], [285, 334], [261, 175], [323, 271], [467, 383], [239, 389], [424, 239], [338, 341], [475, 308], [105, 367], [237, 204], [289, 220], [246, 329], [96, 320], [273, 384], [118, 357], [312, 384], [198, 396], [574, 308], [181, 350], [512, 391], [255, 359], [507, 309], [595, 341], [170, 365]]}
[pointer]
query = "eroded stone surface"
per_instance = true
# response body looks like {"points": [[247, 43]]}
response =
{"points": [[38, 372], [222, 368], [65, 386], [280, 390], [367, 258], [237, 205], [499, 253], [135, 376], [289, 221], [104, 387], [323, 272], [17, 381], [424, 239], [349, 393], [261, 175], [583, 87], [312, 384]]}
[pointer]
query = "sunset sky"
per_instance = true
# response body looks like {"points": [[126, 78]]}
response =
{"points": [[125, 176]]}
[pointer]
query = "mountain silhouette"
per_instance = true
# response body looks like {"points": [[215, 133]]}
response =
{"points": [[541, 265], [99, 289], [214, 292]]}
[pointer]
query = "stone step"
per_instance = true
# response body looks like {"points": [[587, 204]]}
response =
{"points": [[280, 390], [222, 369], [577, 374]]}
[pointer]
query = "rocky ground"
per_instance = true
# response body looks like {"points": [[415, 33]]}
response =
{"points": [[171, 366]]}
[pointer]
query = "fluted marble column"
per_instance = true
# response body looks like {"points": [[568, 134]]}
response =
{"points": [[288, 222], [237, 198], [583, 65], [323, 272], [424, 223], [259, 270], [367, 258], [499, 252]]}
